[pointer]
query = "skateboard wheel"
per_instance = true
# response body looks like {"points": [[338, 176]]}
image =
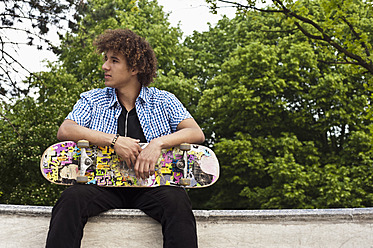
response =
{"points": [[88, 162], [83, 144], [185, 147], [185, 181], [180, 164], [82, 179]]}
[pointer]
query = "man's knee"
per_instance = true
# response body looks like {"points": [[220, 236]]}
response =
{"points": [[177, 200], [75, 196], [73, 192]]}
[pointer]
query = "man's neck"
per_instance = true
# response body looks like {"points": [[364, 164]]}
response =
{"points": [[127, 96]]}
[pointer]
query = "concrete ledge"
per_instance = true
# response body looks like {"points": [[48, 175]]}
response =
{"points": [[27, 226]]}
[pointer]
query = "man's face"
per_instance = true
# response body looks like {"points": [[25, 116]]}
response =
{"points": [[117, 72]]}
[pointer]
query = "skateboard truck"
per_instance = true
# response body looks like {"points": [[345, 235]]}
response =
{"points": [[85, 161], [185, 180]]}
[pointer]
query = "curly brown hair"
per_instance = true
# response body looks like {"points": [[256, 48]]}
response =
{"points": [[137, 51]]}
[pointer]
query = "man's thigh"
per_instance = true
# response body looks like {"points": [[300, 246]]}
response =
{"points": [[92, 199], [163, 200]]}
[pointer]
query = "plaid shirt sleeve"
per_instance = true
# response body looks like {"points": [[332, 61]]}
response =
{"points": [[160, 113], [95, 110], [177, 112], [81, 112]]}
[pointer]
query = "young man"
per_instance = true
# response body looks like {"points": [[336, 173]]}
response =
{"points": [[124, 114]]}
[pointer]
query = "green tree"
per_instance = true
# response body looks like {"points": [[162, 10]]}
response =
{"points": [[288, 126], [337, 25], [284, 123], [32, 19], [29, 125]]}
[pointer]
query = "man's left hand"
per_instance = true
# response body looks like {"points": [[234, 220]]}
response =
{"points": [[148, 157]]}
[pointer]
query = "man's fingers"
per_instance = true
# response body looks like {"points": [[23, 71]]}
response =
{"points": [[128, 149], [135, 151], [129, 163], [145, 172], [141, 169], [146, 161], [136, 169], [152, 170]]}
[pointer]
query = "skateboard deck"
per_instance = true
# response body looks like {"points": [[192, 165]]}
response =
{"points": [[67, 163]]}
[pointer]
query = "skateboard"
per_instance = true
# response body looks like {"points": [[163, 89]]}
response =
{"points": [[68, 163]]}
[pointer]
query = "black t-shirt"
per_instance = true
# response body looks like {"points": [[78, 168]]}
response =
{"points": [[129, 125]]}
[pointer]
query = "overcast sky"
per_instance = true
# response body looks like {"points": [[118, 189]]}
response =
{"points": [[191, 14]]}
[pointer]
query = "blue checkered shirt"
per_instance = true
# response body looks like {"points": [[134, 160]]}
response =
{"points": [[159, 111]]}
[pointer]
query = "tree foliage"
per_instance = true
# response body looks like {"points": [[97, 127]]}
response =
{"points": [[33, 21], [337, 25], [284, 112], [290, 130], [30, 125]]}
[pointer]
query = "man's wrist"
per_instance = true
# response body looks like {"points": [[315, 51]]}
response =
{"points": [[159, 142], [114, 140]]}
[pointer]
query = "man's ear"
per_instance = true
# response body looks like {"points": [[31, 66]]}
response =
{"points": [[134, 71]]}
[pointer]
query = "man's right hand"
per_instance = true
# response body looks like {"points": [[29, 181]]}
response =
{"points": [[128, 149]]}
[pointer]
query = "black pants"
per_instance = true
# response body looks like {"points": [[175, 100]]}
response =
{"points": [[170, 206]]}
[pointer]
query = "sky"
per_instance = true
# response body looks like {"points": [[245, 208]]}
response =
{"points": [[191, 14]]}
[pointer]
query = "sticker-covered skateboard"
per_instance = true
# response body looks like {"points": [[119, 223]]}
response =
{"points": [[68, 163]]}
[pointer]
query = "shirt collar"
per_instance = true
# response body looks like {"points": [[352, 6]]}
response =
{"points": [[113, 97], [143, 96]]}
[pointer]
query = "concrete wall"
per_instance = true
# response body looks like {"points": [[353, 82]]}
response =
{"points": [[27, 226]]}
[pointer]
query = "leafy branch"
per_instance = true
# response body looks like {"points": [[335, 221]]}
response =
{"points": [[34, 19], [350, 56], [10, 123]]}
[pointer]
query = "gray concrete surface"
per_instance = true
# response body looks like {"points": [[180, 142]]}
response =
{"points": [[27, 226]]}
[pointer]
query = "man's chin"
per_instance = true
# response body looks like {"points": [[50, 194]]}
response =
{"points": [[107, 83]]}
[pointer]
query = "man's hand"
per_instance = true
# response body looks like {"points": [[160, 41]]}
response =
{"points": [[128, 149], [187, 131], [145, 163]]}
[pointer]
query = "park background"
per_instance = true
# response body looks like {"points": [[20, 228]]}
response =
{"points": [[282, 91]]}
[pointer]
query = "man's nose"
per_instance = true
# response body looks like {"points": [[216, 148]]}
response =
{"points": [[105, 66]]}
